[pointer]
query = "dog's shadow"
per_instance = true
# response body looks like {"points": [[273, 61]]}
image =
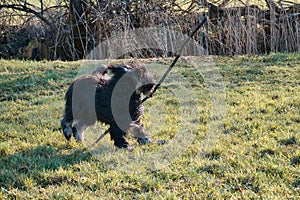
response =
{"points": [[38, 164]]}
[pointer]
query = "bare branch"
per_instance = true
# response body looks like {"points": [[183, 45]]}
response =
{"points": [[29, 10]]}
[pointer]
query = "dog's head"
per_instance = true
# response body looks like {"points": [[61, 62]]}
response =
{"points": [[138, 77]]}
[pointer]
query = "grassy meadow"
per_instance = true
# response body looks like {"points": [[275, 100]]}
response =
{"points": [[232, 126]]}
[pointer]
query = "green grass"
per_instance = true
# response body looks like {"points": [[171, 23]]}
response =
{"points": [[252, 152]]}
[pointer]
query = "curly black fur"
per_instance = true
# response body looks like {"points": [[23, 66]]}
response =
{"points": [[108, 99]]}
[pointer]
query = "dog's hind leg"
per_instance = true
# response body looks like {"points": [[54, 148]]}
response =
{"points": [[67, 121], [78, 131], [67, 128]]}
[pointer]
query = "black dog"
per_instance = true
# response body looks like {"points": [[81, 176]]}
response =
{"points": [[114, 100]]}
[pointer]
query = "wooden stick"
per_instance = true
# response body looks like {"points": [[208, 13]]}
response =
{"points": [[166, 73], [101, 136], [176, 58]]}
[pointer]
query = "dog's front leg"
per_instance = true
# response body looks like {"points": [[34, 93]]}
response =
{"points": [[118, 136], [138, 131]]}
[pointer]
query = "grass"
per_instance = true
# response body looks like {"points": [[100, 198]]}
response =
{"points": [[232, 126]]}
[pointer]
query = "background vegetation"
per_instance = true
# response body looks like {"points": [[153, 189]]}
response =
{"points": [[256, 156], [70, 29], [252, 154]]}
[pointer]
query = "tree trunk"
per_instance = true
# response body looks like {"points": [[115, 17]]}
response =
{"points": [[80, 34]]}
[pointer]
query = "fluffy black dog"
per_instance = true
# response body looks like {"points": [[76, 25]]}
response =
{"points": [[112, 95]]}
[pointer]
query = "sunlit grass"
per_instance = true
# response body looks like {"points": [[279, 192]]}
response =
{"points": [[256, 155]]}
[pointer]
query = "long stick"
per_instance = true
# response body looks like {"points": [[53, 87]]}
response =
{"points": [[167, 72], [176, 58], [101, 136]]}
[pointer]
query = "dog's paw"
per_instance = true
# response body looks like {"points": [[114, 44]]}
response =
{"points": [[145, 140], [121, 143], [66, 127], [67, 133]]}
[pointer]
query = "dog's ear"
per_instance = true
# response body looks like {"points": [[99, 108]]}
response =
{"points": [[100, 71], [119, 70], [105, 71]]}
